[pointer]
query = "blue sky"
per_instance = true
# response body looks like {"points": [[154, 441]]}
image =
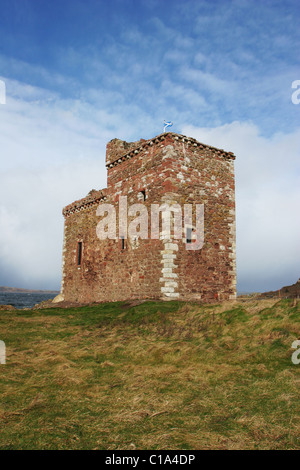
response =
{"points": [[204, 62], [78, 73]]}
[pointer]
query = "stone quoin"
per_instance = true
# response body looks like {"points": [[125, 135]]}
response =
{"points": [[169, 169]]}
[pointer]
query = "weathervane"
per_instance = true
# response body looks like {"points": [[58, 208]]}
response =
{"points": [[167, 124]]}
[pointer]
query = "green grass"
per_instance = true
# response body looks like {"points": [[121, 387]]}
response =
{"points": [[159, 375]]}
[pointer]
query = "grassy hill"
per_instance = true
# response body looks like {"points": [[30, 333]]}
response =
{"points": [[292, 291], [159, 375]]}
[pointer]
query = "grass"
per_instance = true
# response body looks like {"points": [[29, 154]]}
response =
{"points": [[159, 375]]}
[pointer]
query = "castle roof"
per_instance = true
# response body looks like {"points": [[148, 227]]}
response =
{"points": [[134, 150], [91, 200], [94, 196]]}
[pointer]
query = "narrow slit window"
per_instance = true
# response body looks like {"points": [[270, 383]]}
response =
{"points": [[189, 232], [144, 194], [79, 253], [123, 243]]}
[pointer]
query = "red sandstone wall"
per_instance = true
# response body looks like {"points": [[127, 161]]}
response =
{"points": [[172, 169]]}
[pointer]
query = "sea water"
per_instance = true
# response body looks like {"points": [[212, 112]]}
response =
{"points": [[24, 300]]}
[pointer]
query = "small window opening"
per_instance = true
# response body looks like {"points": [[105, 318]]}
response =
{"points": [[123, 243], [142, 195], [189, 232], [79, 253]]}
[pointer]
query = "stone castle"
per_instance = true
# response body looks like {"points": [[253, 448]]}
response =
{"points": [[167, 169]]}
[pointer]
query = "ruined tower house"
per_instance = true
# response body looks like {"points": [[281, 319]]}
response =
{"points": [[169, 168]]}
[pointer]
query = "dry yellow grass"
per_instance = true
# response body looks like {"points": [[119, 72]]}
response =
{"points": [[154, 376]]}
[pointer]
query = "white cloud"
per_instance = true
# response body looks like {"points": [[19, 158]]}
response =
{"points": [[52, 152], [31, 219]]}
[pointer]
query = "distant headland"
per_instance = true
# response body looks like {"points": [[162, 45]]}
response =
{"points": [[26, 291]]}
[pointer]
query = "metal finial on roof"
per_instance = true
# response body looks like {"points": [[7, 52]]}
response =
{"points": [[167, 124]]}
